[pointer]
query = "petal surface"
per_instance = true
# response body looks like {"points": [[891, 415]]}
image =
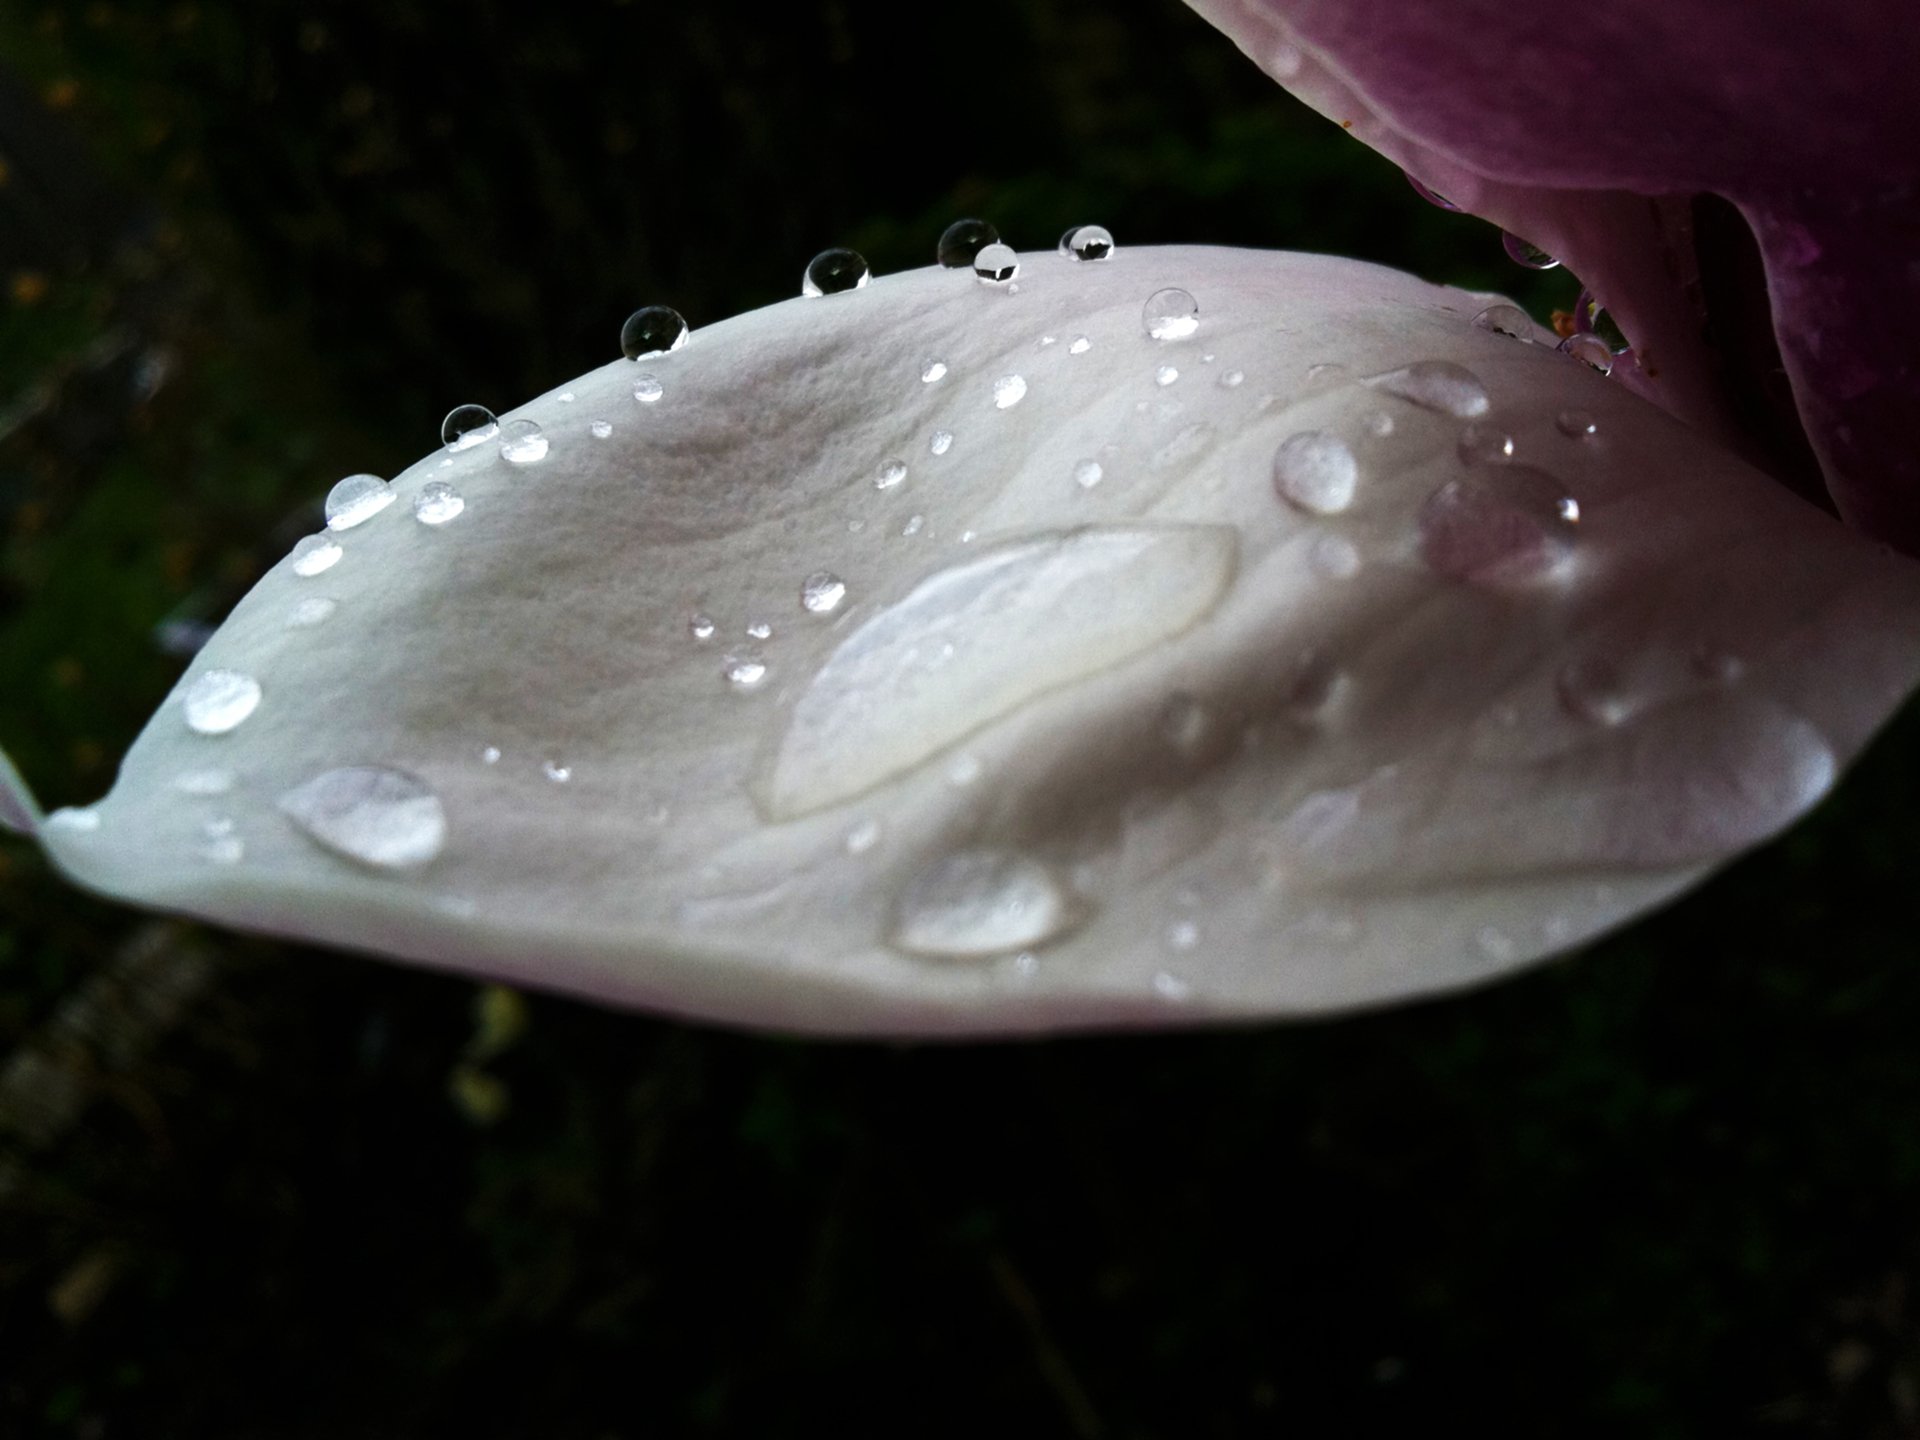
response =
{"points": [[818, 676]]}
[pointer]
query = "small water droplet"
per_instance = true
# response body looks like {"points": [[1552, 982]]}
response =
{"points": [[1165, 375], [964, 770], [976, 903], [1591, 688], [863, 837], [1335, 557], [822, 592], [1088, 474], [1008, 391], [600, 429], [219, 700], [314, 554], [1438, 385], [744, 672], [1484, 443], [1183, 935], [914, 525], [1315, 471], [652, 330], [1576, 423], [490, 755], [437, 503], [833, 272], [962, 240], [313, 611], [891, 474], [357, 499], [556, 772], [1327, 375], [1522, 252], [1568, 509], [996, 265], [219, 845], [522, 442], [1590, 350], [467, 426], [933, 370], [1496, 944], [648, 389], [942, 442], [381, 817], [701, 627], [1172, 988], [1508, 320], [1504, 529], [760, 630], [1081, 344], [566, 397], [80, 820], [1428, 193], [204, 782], [1087, 242], [1170, 315], [1233, 379], [1046, 340]]}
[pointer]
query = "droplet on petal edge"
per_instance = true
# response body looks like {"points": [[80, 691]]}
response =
{"points": [[996, 265], [1087, 242], [467, 426], [1170, 314], [961, 241], [978, 903], [652, 330], [1523, 253], [1508, 320], [219, 700], [834, 272], [522, 442], [314, 555], [437, 503], [355, 500]]}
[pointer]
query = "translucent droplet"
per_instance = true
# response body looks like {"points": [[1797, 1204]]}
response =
{"points": [[80, 820], [1438, 385], [1087, 242], [556, 772], [1592, 689], [313, 611], [1377, 422], [522, 442], [933, 370], [1315, 471], [891, 474], [490, 755], [914, 525], [1165, 375], [1045, 341], [600, 429], [566, 397], [964, 770], [357, 499], [961, 241], [1172, 988], [1568, 509], [1577, 423], [1170, 315], [1327, 375], [996, 265], [1233, 379], [652, 330], [1183, 935], [219, 700], [467, 426], [377, 816], [701, 627], [1496, 944], [1008, 391], [1508, 320], [976, 903], [648, 389], [1521, 252], [863, 837], [1428, 193], [744, 672], [941, 443], [204, 783], [1482, 443], [760, 630], [1335, 557], [1284, 61], [314, 554], [1079, 345], [437, 503], [221, 848], [1502, 529], [822, 592], [832, 272], [1590, 350], [1088, 474]]}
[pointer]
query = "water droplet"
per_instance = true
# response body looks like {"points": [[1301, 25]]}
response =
{"points": [[891, 474], [1576, 423], [1335, 557], [962, 240], [1568, 509], [1504, 529], [1170, 315], [1592, 689], [652, 330], [600, 429], [1497, 945], [1165, 375], [315, 554], [1087, 242], [744, 672], [490, 755], [1088, 474], [219, 700], [1590, 350], [313, 611], [914, 525], [556, 772], [357, 499], [467, 426], [1172, 988], [1377, 422], [863, 837], [933, 370], [982, 902], [380, 817], [437, 503], [522, 442], [1046, 340], [941, 443], [1522, 252], [1081, 344], [701, 627], [760, 630], [1183, 935], [1508, 320], [833, 272], [1008, 391], [822, 592], [1428, 193], [1186, 724], [1327, 375], [80, 820], [1284, 61], [964, 770], [219, 845], [1233, 379], [204, 782], [648, 389], [1315, 471], [1438, 385], [1482, 443], [996, 265], [566, 397]]}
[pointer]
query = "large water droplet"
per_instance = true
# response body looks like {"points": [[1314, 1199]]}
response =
{"points": [[437, 503], [1525, 253], [522, 442], [941, 443], [962, 240], [1508, 320], [467, 426], [1315, 471], [1504, 529], [1428, 193], [1008, 391], [652, 330], [1170, 315], [976, 903], [1438, 385], [380, 817], [314, 610], [1590, 350], [996, 265], [891, 474], [1087, 242], [648, 389], [832, 272], [822, 592], [314, 554], [356, 499]]}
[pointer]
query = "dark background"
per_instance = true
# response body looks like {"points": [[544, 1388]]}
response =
{"points": [[1664, 1188]]}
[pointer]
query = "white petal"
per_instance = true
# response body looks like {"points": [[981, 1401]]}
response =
{"points": [[1166, 747]]}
